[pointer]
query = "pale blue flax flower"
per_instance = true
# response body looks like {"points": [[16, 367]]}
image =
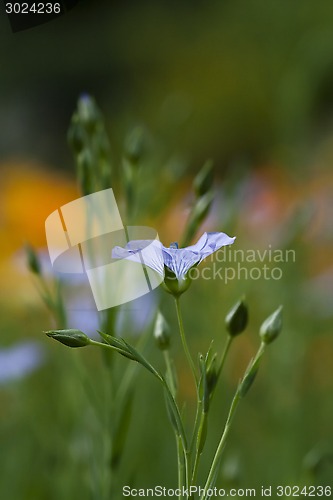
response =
{"points": [[172, 263]]}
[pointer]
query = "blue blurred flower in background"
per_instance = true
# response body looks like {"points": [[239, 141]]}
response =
{"points": [[135, 317], [20, 360]]}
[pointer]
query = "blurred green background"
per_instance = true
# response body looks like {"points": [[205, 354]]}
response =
{"points": [[247, 83]]}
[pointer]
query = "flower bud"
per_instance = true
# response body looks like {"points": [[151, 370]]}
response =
{"points": [[88, 112], [70, 337], [204, 179], [161, 332], [271, 327], [237, 318], [33, 261], [135, 144], [173, 285]]}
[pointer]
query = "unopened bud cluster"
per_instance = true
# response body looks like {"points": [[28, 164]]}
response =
{"points": [[91, 147]]}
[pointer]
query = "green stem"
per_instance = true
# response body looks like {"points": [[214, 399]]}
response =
{"points": [[224, 356], [184, 342], [183, 456], [127, 378], [171, 399], [240, 392], [196, 425], [180, 451], [169, 370], [177, 417], [180, 458], [183, 467], [53, 300], [203, 423], [101, 344], [220, 448], [187, 454]]}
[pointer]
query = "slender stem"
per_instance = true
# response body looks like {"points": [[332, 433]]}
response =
{"points": [[181, 436], [101, 344], [180, 451], [235, 402], [187, 471], [176, 415], [196, 425], [184, 342], [224, 355], [169, 370], [179, 428], [53, 300], [220, 448], [201, 417], [203, 423], [107, 440], [187, 453], [180, 458], [169, 394], [127, 377]]}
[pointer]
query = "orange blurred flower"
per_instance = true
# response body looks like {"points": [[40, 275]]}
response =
{"points": [[29, 192]]}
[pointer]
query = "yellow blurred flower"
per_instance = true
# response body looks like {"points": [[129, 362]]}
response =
{"points": [[29, 192]]}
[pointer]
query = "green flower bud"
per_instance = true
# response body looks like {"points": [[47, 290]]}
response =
{"points": [[173, 285], [33, 261], [88, 112], [71, 337], [135, 144], [271, 327], [162, 332], [237, 318], [204, 179]]}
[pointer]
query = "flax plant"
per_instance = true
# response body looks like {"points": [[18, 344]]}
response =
{"points": [[172, 265]]}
